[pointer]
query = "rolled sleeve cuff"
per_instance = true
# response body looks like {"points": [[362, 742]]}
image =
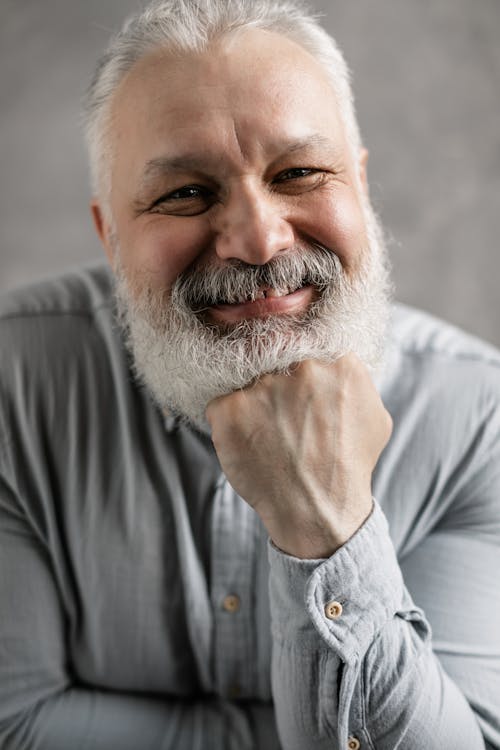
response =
{"points": [[362, 576]]}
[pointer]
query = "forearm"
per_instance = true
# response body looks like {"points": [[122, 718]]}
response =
{"points": [[408, 701], [369, 673], [320, 702], [42, 709], [94, 720]]}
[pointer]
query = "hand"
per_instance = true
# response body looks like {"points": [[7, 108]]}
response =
{"points": [[301, 450]]}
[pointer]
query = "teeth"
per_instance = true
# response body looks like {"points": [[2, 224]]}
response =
{"points": [[265, 293]]}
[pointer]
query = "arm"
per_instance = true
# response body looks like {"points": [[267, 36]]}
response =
{"points": [[369, 672], [92, 720], [41, 706], [373, 668]]}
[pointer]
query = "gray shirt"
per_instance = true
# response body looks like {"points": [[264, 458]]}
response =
{"points": [[142, 606]]}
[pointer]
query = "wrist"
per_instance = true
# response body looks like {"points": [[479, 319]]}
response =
{"points": [[318, 538]]}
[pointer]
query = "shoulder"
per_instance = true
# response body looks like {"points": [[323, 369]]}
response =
{"points": [[418, 334], [435, 359], [54, 316], [81, 292], [442, 389], [59, 346]]}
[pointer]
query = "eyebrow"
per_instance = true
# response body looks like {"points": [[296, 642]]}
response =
{"points": [[200, 161]]}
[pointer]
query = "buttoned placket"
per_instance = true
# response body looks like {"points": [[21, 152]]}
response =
{"points": [[234, 540]]}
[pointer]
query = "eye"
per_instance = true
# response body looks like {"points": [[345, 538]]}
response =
{"points": [[189, 200], [298, 180], [295, 173]]}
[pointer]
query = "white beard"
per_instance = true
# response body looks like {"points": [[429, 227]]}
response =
{"points": [[186, 361]]}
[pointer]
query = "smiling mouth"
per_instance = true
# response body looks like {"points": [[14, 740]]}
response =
{"points": [[267, 292], [266, 301]]}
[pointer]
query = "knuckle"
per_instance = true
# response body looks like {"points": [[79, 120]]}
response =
{"points": [[349, 368], [387, 424], [351, 361], [306, 367]]}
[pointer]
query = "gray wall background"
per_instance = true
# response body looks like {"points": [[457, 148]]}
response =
{"points": [[427, 84]]}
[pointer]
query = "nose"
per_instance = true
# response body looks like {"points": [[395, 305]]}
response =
{"points": [[251, 227]]}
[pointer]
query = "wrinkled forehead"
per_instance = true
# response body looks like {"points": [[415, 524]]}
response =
{"points": [[238, 62], [250, 82]]}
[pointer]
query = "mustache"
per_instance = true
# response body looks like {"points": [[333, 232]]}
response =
{"points": [[202, 286]]}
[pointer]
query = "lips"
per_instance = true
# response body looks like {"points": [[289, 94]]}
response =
{"points": [[266, 301], [264, 292]]}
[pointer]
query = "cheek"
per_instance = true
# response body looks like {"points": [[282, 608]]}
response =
{"points": [[163, 247], [340, 226]]}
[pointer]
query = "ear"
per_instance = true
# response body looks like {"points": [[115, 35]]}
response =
{"points": [[363, 161], [103, 229]]}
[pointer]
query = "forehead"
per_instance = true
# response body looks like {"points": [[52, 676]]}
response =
{"points": [[242, 96]]}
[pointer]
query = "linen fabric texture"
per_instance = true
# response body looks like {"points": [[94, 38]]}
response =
{"points": [[120, 540]]}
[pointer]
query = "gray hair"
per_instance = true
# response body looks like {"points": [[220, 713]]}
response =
{"points": [[189, 26]]}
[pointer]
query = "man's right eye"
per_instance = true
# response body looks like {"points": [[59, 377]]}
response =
{"points": [[189, 200]]}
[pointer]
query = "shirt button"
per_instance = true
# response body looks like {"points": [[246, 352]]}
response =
{"points": [[333, 610], [231, 603], [353, 743]]}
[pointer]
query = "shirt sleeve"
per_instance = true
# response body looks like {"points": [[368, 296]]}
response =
{"points": [[353, 660], [43, 708]]}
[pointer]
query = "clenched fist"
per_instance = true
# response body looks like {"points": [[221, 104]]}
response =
{"points": [[301, 450]]}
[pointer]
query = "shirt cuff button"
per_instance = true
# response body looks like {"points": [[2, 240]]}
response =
{"points": [[333, 610], [231, 603], [353, 743]]}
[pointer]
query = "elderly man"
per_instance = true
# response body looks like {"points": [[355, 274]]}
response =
{"points": [[209, 537]]}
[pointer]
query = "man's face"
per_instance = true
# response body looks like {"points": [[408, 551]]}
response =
{"points": [[235, 154], [236, 158]]}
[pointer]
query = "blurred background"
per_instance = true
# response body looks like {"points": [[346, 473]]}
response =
{"points": [[427, 85]]}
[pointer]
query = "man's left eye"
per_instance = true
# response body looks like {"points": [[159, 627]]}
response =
{"points": [[295, 173], [298, 180]]}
